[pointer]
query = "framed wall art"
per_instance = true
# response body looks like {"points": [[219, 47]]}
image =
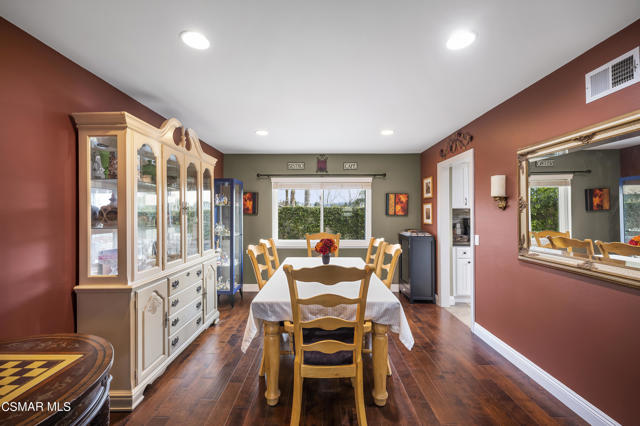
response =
{"points": [[427, 214], [397, 204], [427, 187], [250, 203], [597, 199]]}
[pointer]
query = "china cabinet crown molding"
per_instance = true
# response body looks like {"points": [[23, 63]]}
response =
{"points": [[147, 260]]}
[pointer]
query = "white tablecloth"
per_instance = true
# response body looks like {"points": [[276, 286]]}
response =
{"points": [[273, 303]]}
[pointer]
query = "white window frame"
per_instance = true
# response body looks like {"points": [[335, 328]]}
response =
{"points": [[321, 183], [563, 183]]}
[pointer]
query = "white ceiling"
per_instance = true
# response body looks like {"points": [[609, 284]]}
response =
{"points": [[322, 76]]}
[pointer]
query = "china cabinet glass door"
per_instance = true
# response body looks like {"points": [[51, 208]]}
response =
{"points": [[237, 232], [191, 211], [207, 212], [103, 188], [228, 235], [174, 210], [147, 209]]}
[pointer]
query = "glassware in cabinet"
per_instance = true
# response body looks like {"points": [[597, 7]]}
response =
{"points": [[174, 210], [228, 235], [191, 204], [147, 209]]}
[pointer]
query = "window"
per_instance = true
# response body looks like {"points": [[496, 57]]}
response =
{"points": [[629, 208], [308, 205], [550, 203]]}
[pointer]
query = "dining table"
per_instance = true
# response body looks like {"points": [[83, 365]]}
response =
{"points": [[272, 306]]}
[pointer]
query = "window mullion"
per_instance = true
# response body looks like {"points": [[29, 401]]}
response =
{"points": [[322, 212]]}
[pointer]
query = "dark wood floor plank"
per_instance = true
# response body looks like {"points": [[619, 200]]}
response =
{"points": [[450, 377]]}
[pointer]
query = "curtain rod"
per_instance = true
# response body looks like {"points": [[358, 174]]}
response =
{"points": [[270, 175], [559, 172]]}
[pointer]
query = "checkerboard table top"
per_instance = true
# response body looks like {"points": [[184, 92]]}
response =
{"points": [[21, 372]]}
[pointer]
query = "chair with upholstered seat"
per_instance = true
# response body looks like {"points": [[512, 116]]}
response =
{"points": [[320, 236], [373, 252], [570, 244], [621, 249], [272, 252], [539, 235], [258, 268], [327, 347], [385, 271]]}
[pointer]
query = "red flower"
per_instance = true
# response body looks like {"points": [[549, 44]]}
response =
{"points": [[635, 241], [326, 246]]}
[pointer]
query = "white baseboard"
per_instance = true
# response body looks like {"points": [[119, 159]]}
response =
{"points": [[253, 288], [589, 412]]}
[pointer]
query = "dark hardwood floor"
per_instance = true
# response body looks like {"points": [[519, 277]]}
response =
{"points": [[450, 377]]}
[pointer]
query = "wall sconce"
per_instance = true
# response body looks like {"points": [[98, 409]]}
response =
{"points": [[499, 190]]}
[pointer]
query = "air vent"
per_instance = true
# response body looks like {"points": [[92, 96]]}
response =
{"points": [[613, 76]]}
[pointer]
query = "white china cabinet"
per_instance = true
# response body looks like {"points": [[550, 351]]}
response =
{"points": [[147, 262]]}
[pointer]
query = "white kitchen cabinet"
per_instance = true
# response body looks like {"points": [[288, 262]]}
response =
{"points": [[460, 186], [151, 303], [462, 272]]}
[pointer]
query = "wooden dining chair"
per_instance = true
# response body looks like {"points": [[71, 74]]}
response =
{"points": [[272, 251], [572, 243], [622, 249], [327, 347], [385, 271], [373, 252], [319, 236], [539, 235], [258, 268]]}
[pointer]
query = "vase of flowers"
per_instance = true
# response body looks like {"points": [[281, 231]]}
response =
{"points": [[635, 241], [325, 247]]}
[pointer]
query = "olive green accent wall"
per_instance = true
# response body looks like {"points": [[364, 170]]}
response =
{"points": [[403, 175]]}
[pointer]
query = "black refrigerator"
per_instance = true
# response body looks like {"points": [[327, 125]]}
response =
{"points": [[418, 266]]}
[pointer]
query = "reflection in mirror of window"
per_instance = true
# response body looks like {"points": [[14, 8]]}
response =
{"points": [[591, 193]]}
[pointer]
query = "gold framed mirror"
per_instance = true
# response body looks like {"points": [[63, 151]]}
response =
{"points": [[579, 201]]}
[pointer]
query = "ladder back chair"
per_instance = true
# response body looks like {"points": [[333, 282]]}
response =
{"points": [[327, 347], [373, 252], [258, 268], [319, 236], [273, 255], [386, 249], [622, 249], [570, 244], [539, 235]]}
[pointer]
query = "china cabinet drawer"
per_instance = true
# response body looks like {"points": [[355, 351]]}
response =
{"points": [[182, 336], [184, 279], [182, 299], [185, 315]]}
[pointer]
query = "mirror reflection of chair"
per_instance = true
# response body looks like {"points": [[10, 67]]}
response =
{"points": [[272, 252], [388, 269], [319, 236], [373, 252], [570, 244], [539, 235], [328, 347], [258, 268], [621, 249]]}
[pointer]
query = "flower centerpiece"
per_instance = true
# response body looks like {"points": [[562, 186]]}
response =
{"points": [[635, 241], [325, 247]]}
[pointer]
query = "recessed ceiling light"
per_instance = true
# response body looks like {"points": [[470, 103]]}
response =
{"points": [[262, 132], [195, 39], [460, 39], [386, 132]]}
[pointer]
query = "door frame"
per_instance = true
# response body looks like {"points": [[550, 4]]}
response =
{"points": [[444, 226]]}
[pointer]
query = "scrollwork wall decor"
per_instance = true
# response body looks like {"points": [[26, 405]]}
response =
{"points": [[457, 143]]}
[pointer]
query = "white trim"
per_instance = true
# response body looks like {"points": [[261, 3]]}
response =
{"points": [[365, 181], [445, 255], [583, 408]]}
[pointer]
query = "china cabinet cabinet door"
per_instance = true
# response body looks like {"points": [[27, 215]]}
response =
{"points": [[146, 208], [210, 288], [103, 195], [191, 210], [152, 306], [174, 198], [207, 209]]}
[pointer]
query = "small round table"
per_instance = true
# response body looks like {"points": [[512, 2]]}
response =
{"points": [[55, 379]]}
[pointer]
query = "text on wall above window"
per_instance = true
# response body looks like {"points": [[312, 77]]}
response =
{"points": [[310, 205]]}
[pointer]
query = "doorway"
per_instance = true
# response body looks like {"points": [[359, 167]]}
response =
{"points": [[456, 236]]}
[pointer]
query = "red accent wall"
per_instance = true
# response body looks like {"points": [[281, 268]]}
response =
{"points": [[630, 161], [582, 331], [38, 179]]}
